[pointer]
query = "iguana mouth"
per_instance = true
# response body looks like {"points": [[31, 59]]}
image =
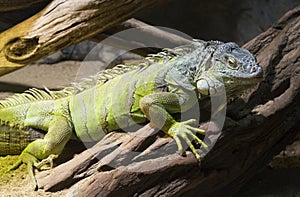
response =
{"points": [[215, 86], [253, 76], [251, 73]]}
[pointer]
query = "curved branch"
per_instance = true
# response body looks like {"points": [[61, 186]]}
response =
{"points": [[61, 24]]}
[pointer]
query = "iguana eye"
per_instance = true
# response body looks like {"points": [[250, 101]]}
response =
{"points": [[232, 63]]}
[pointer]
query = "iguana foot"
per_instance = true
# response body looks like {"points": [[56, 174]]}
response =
{"points": [[48, 162], [183, 130], [30, 161]]}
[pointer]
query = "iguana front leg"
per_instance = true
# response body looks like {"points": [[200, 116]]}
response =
{"points": [[158, 106], [58, 135]]}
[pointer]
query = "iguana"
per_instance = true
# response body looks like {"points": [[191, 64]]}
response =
{"points": [[161, 85]]}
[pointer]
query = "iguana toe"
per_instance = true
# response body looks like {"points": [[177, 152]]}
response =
{"points": [[30, 161], [183, 131], [25, 158], [47, 163], [31, 176]]}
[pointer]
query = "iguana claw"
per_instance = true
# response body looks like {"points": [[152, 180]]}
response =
{"points": [[32, 162], [24, 158], [48, 160], [183, 130]]}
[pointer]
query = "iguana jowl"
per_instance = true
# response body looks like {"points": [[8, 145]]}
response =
{"points": [[163, 84]]}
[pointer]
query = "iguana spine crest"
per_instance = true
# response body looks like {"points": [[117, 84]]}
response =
{"points": [[34, 94], [29, 96]]}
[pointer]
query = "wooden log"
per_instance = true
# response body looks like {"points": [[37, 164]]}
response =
{"points": [[143, 45], [289, 157], [131, 35], [258, 126], [60, 24]]}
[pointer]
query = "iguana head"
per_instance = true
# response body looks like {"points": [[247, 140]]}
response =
{"points": [[230, 66]]}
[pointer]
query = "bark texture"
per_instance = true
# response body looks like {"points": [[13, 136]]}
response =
{"points": [[144, 38], [61, 24], [258, 126]]}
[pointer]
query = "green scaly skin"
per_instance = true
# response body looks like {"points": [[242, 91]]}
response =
{"points": [[170, 82]]}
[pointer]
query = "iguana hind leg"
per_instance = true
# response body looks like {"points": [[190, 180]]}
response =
{"points": [[58, 135]]}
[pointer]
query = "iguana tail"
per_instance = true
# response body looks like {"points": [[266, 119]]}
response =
{"points": [[14, 134], [14, 139]]}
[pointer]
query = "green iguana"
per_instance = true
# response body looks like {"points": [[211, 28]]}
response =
{"points": [[161, 85]]}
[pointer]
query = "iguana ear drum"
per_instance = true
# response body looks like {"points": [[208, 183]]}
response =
{"points": [[203, 87]]}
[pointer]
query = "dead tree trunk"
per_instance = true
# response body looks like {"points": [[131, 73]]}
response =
{"points": [[258, 126], [61, 24]]}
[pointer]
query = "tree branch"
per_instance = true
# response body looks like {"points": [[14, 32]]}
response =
{"points": [[61, 24], [148, 36]]}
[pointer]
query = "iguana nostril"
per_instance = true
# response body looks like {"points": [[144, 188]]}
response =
{"points": [[253, 69]]}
